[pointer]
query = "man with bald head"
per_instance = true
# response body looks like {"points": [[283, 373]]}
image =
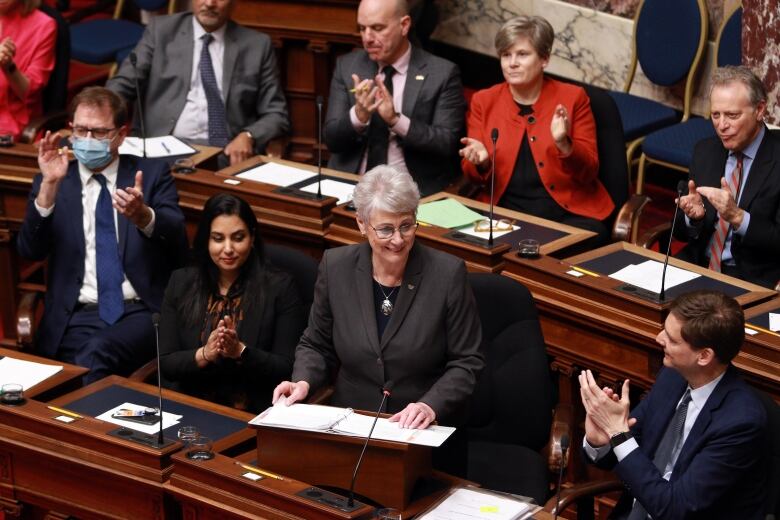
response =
{"points": [[394, 103], [731, 212]]}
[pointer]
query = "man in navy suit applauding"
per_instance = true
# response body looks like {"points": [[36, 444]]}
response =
{"points": [[694, 447], [111, 230]]}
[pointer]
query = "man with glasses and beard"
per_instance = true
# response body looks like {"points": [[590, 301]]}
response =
{"points": [[111, 230]]}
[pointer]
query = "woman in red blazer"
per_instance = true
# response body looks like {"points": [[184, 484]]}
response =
{"points": [[546, 158]]}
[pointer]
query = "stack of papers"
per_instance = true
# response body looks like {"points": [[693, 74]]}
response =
{"points": [[647, 275], [344, 421], [277, 174], [156, 147], [342, 190], [169, 419], [475, 503], [774, 322], [25, 373], [447, 213]]}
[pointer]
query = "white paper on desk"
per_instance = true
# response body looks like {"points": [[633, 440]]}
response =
{"points": [[25, 373], [156, 147], [774, 322], [311, 417], [276, 174], [647, 275], [169, 419], [469, 230], [339, 189], [468, 504], [359, 425]]}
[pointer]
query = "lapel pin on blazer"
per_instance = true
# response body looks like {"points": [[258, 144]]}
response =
{"points": [[410, 287], [419, 77]]}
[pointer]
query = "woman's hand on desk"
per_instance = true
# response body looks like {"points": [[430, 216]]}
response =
{"points": [[415, 416], [292, 392], [475, 152]]}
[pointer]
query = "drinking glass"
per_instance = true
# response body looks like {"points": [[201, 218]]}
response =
{"points": [[200, 449]]}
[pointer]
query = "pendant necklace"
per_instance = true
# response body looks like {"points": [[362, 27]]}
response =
{"points": [[387, 305]]}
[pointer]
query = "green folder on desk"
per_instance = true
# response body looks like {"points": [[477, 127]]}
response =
{"points": [[447, 213]]}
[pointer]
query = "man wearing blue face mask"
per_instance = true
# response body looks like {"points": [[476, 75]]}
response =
{"points": [[111, 229]]}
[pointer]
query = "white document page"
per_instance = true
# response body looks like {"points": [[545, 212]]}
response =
{"points": [[25, 373], [299, 416], [339, 189], [647, 275], [359, 425], [276, 174], [774, 322], [469, 230], [169, 419], [468, 504], [156, 147]]}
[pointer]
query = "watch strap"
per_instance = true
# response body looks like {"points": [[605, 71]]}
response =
{"points": [[619, 438]]}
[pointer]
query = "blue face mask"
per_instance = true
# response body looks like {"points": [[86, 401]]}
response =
{"points": [[92, 153]]}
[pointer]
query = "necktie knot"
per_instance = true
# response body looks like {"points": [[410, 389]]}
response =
{"points": [[207, 39], [101, 179]]}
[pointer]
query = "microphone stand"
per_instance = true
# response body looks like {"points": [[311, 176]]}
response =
{"points": [[156, 323], [385, 394], [662, 294], [564, 449], [319, 147], [494, 138]]}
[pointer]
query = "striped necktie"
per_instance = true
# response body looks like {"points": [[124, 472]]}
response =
{"points": [[718, 241]]}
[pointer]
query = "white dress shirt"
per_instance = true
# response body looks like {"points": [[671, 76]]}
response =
{"points": [[193, 122]]}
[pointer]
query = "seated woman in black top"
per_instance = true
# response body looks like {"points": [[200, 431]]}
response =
{"points": [[230, 322]]}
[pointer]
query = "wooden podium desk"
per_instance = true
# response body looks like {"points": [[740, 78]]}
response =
{"points": [[763, 347], [81, 469], [286, 215], [589, 323], [475, 252], [67, 379]]}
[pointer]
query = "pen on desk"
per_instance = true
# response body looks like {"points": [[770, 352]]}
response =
{"points": [[584, 271], [760, 329], [259, 471], [65, 412], [165, 147]]}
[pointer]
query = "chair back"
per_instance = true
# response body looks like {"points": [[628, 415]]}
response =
{"points": [[514, 397], [301, 266], [613, 169], [773, 485], [729, 43], [55, 94]]}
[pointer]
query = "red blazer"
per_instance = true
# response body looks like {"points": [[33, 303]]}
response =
{"points": [[572, 181]]}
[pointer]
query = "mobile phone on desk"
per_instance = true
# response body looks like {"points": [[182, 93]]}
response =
{"points": [[144, 416]]}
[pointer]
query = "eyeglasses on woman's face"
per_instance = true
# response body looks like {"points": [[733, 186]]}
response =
{"points": [[386, 232]]}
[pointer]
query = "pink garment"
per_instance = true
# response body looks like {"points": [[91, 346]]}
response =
{"points": [[34, 36]]}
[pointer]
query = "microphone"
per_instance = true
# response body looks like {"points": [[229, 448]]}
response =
{"points": [[494, 138], [386, 391], [680, 188], [156, 323], [564, 449], [319, 147], [138, 105]]}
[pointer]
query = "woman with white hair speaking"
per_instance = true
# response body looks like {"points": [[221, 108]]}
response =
{"points": [[390, 309]]}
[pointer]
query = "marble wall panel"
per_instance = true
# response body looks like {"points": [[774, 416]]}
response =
{"points": [[761, 48]]}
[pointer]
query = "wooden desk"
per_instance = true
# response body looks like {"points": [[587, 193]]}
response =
{"points": [[284, 217], [762, 350], [587, 323], [79, 469], [474, 251], [67, 379]]}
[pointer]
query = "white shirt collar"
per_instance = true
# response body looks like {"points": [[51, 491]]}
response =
{"points": [[401, 65], [700, 395], [110, 172], [198, 31]]}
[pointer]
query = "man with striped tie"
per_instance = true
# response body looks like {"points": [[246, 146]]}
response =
{"points": [[207, 80], [696, 446], [731, 212]]}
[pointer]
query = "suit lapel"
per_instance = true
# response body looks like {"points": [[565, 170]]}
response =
{"points": [[363, 285], [762, 165], [180, 56], [249, 329], [229, 62], [654, 430], [409, 289], [125, 177], [71, 198], [415, 79]]}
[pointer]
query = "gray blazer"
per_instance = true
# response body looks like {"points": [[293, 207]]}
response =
{"points": [[433, 101], [430, 348], [254, 99]]}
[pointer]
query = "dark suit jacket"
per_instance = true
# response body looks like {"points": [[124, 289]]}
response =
{"points": [[433, 101], [757, 254], [254, 99], [430, 348], [272, 324], [571, 181], [720, 472], [59, 238]]}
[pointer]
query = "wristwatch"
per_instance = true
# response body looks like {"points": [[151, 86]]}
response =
{"points": [[619, 438]]}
